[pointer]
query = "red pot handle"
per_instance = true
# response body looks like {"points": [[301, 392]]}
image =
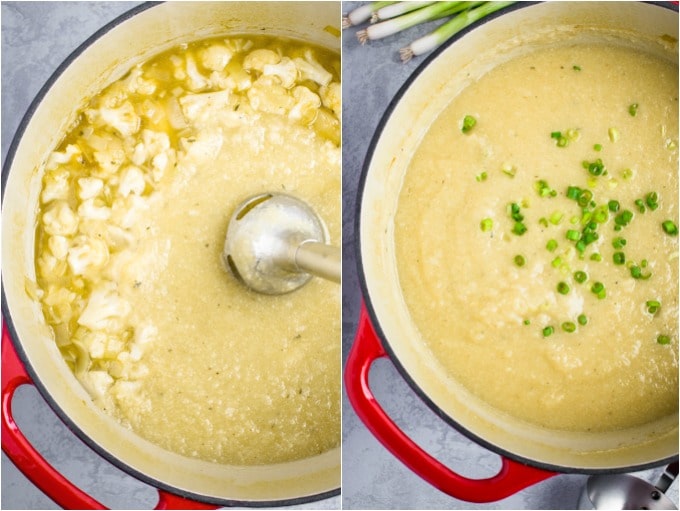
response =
{"points": [[511, 478], [33, 465]]}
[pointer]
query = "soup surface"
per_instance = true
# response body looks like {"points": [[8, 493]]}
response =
{"points": [[536, 238], [135, 206]]}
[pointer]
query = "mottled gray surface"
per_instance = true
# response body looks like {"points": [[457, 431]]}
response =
{"points": [[36, 37], [372, 477]]}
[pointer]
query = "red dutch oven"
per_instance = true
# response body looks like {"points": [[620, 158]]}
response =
{"points": [[29, 353], [529, 454]]}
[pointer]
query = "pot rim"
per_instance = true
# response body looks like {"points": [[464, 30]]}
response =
{"points": [[451, 421], [7, 317]]}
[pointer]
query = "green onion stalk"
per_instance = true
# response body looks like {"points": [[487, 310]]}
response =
{"points": [[396, 9], [450, 28], [363, 13], [392, 26]]}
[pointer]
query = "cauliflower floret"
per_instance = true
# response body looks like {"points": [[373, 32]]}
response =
{"points": [[92, 209], [60, 303], [97, 383], [131, 181], [306, 105], [284, 70], [202, 108], [87, 254], [123, 119], [125, 212], [257, 59], [105, 309], [238, 45], [204, 147], [154, 149], [331, 97], [60, 219], [268, 96], [89, 187], [50, 267], [109, 161], [60, 157], [136, 83], [195, 80], [153, 143], [59, 246], [55, 186], [95, 342], [216, 57], [310, 69]]}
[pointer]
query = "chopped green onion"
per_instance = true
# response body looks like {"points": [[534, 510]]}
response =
{"points": [[468, 123], [576, 68], [543, 222], [613, 206], [514, 212], [596, 168], [599, 289], [601, 214], [585, 198], [574, 192], [619, 258], [618, 242], [627, 174], [632, 109], [486, 224], [520, 260], [551, 245], [624, 218], [509, 170], [519, 228], [653, 306], [613, 134], [589, 237], [481, 177], [580, 277], [661, 339], [527, 321], [640, 205], [597, 147], [548, 331], [451, 27], [560, 140], [544, 189], [669, 227], [563, 288], [573, 235], [568, 326], [556, 218], [652, 200], [596, 257], [636, 273], [557, 262], [582, 319]]}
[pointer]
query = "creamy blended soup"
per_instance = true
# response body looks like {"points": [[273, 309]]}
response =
{"points": [[134, 212], [536, 238]]}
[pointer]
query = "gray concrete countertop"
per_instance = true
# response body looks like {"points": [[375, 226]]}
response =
{"points": [[372, 477], [36, 38]]}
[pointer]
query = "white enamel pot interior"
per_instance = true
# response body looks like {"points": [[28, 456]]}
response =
{"points": [[509, 33], [131, 39]]}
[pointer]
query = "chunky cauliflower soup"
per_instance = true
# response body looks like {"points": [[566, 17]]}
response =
{"points": [[133, 215], [537, 241]]}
